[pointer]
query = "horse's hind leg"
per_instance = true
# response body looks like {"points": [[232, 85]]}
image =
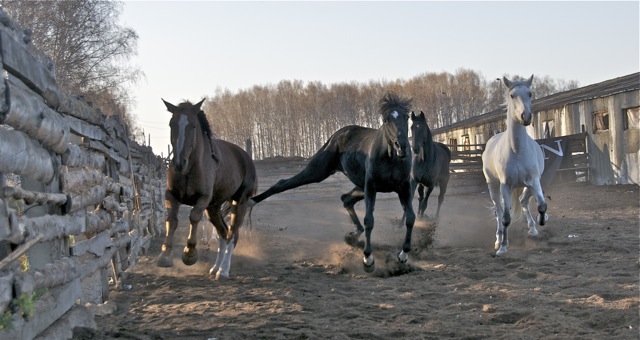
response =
{"points": [[221, 228], [524, 202], [172, 205], [423, 204], [443, 190], [349, 200], [317, 170]]}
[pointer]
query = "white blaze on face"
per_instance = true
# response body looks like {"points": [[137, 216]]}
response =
{"points": [[182, 124], [394, 114]]}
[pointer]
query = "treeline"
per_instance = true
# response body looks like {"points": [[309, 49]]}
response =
{"points": [[294, 118]]}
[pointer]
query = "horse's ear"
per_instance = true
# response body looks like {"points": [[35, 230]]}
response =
{"points": [[530, 81], [422, 115], [413, 116], [170, 107], [199, 104], [506, 82]]}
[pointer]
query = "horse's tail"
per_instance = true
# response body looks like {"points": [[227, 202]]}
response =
{"points": [[250, 220]]}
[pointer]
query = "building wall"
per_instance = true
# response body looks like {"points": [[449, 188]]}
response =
{"points": [[614, 153]]}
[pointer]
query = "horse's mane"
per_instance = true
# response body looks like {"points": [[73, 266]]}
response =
{"points": [[204, 123], [202, 119], [391, 101]]}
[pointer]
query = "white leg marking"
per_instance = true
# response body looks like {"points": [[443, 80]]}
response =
{"points": [[222, 248], [403, 257], [226, 261], [368, 261]]}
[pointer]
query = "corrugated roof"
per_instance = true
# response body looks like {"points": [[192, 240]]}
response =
{"points": [[606, 88]]}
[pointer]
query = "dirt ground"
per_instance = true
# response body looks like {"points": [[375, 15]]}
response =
{"points": [[294, 277]]}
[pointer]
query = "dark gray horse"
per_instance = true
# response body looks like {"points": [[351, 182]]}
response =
{"points": [[430, 163], [375, 160], [205, 173]]}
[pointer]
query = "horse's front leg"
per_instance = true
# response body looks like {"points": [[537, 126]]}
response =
{"points": [[172, 205], [405, 197], [421, 198], [190, 253], [414, 185], [370, 202], [494, 193], [536, 190], [505, 194]]}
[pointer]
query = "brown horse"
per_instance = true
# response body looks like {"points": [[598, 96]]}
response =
{"points": [[205, 173]]}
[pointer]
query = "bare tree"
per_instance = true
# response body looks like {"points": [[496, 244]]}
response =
{"points": [[88, 47], [294, 119]]}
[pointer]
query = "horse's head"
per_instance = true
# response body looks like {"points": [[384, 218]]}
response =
{"points": [[185, 129], [519, 99], [420, 132], [395, 122]]}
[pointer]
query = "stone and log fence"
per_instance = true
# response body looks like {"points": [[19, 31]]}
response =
{"points": [[79, 200]]}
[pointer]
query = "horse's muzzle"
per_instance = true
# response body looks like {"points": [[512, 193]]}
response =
{"points": [[526, 118], [180, 166], [401, 150]]}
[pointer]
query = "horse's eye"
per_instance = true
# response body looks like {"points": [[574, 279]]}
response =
{"points": [[530, 94], [512, 96]]}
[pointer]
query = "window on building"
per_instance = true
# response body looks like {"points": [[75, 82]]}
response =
{"points": [[600, 121], [631, 117], [466, 142], [479, 141], [549, 127], [453, 142]]}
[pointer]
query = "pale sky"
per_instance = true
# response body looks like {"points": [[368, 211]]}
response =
{"points": [[187, 50]]}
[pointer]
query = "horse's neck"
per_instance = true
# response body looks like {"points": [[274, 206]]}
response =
{"points": [[200, 154], [428, 147], [516, 132]]}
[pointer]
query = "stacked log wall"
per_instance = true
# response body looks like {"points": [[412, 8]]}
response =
{"points": [[79, 200]]}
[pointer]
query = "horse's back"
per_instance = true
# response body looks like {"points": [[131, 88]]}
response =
{"points": [[444, 158], [346, 150]]}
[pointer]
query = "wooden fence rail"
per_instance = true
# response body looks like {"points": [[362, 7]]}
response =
{"points": [[78, 200]]}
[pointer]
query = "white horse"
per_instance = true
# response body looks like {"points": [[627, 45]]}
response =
{"points": [[513, 160]]}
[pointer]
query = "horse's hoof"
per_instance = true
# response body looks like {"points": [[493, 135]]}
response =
{"points": [[369, 264], [542, 219], [352, 239], [190, 260], [501, 252], [164, 261], [220, 276], [251, 203], [213, 270], [533, 232], [402, 257]]}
